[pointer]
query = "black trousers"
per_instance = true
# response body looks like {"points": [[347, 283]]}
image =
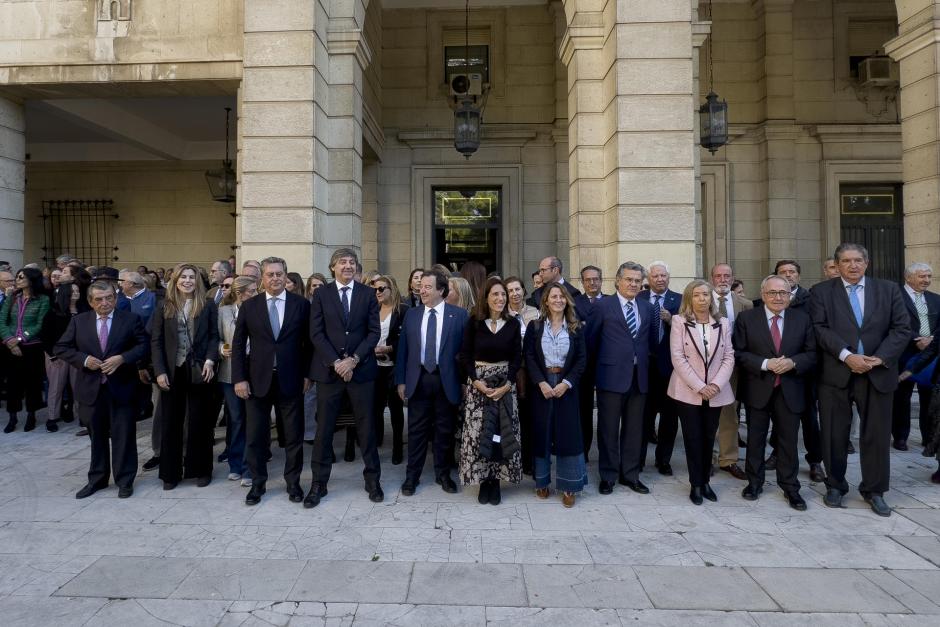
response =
{"points": [[901, 416], [586, 405], [24, 378], [699, 426], [188, 429], [658, 402], [786, 427], [112, 428], [835, 418], [431, 419], [258, 433], [620, 433], [809, 422], [329, 403], [386, 395]]}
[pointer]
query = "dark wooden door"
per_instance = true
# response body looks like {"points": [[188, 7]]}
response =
{"points": [[872, 215]]}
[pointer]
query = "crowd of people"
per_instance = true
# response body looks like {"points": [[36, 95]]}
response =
{"points": [[499, 384]]}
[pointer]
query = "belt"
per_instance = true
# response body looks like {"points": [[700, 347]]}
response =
{"points": [[553, 370]]}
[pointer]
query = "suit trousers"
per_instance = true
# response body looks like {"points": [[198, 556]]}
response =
{"points": [[835, 417], [329, 404], [728, 450], [620, 432], [188, 429], [658, 402], [386, 394], [901, 416], [24, 378], [786, 427], [112, 429], [59, 374], [809, 421], [699, 424], [586, 403], [156, 427], [431, 418], [258, 433]]}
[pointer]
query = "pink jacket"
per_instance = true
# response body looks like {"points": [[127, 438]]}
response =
{"points": [[689, 370]]}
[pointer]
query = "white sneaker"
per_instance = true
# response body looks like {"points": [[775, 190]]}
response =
{"points": [[234, 476], [246, 483]]}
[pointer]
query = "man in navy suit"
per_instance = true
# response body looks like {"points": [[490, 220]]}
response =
{"points": [[665, 304], [619, 333], [270, 357], [105, 345], [591, 280], [344, 330], [428, 379], [923, 306]]}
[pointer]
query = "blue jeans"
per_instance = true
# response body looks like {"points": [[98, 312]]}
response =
{"points": [[235, 430]]}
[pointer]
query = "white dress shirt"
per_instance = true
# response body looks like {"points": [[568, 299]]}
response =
{"points": [[770, 325], [339, 290], [439, 312], [280, 305], [861, 303]]}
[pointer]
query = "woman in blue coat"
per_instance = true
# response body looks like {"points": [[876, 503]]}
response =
{"points": [[555, 356]]}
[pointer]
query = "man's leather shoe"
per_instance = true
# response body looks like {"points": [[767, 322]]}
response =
{"points": [[695, 495], [125, 491], [751, 492], [877, 503], [664, 469], [484, 496], [51, 426], [169, 485], [408, 487], [900, 445], [447, 484], [30, 422], [295, 493], [254, 494], [709, 494], [203, 481], [735, 471], [637, 486], [88, 490], [397, 454], [771, 463], [850, 449], [375, 492], [816, 473], [317, 492], [151, 463], [605, 487], [796, 501], [833, 498], [496, 496]]}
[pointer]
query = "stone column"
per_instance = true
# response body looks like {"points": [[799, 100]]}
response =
{"points": [[631, 134], [12, 181], [917, 49]]}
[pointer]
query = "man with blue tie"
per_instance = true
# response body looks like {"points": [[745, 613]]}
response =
{"points": [[619, 334], [428, 379], [862, 327]]}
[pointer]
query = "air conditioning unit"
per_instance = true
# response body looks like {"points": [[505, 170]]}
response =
{"points": [[466, 84], [878, 71]]}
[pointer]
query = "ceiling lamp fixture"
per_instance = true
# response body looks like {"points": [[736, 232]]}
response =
{"points": [[222, 182], [468, 116], [713, 114]]}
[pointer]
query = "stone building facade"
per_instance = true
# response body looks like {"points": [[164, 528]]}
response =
{"points": [[344, 131]]}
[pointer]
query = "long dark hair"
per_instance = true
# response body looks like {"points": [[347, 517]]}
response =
{"points": [[36, 286], [482, 309], [475, 274]]}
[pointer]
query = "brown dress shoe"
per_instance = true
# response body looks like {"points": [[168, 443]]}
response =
{"points": [[542, 493], [735, 471], [567, 499]]}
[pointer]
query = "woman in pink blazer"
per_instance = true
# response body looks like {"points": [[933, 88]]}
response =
{"points": [[702, 359]]}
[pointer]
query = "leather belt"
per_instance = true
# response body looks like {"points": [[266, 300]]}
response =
{"points": [[553, 370]]}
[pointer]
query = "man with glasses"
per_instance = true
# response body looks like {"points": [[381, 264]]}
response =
{"points": [[219, 271], [775, 347], [550, 271]]}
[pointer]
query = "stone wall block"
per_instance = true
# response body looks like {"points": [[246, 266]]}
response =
{"points": [[278, 49], [270, 189], [278, 15], [636, 11], [654, 41], [658, 76], [277, 225], [272, 154], [278, 84], [272, 119], [654, 150]]}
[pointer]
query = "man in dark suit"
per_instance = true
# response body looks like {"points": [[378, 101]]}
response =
{"points": [[536, 284], [775, 348], [619, 333], [923, 307], [592, 280], [344, 329], [105, 345], [862, 327], [428, 379], [665, 304], [551, 271], [270, 357]]}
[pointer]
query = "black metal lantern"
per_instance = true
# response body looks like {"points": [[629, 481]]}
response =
{"points": [[468, 120], [713, 119], [222, 182]]}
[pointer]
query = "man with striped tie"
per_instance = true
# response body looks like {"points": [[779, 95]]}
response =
{"points": [[862, 327], [620, 334]]}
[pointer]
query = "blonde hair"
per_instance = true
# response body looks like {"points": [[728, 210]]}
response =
{"points": [[464, 293], [392, 285], [685, 309], [173, 304], [238, 286]]}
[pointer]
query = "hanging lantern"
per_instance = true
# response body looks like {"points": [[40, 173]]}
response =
{"points": [[467, 124], [713, 117], [222, 182]]}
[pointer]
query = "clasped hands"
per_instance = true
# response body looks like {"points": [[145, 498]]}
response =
{"points": [[492, 393], [780, 365], [107, 366], [860, 364], [344, 368], [553, 392], [709, 392]]}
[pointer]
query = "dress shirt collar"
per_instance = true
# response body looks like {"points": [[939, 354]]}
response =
{"points": [[340, 286], [729, 297], [847, 285], [281, 296], [109, 317], [438, 309], [771, 314], [136, 294], [624, 301], [912, 292]]}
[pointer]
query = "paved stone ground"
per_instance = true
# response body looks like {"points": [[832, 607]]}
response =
{"points": [[201, 557]]}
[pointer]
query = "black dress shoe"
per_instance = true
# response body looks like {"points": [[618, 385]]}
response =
{"points": [[125, 492], [170, 485], [850, 449], [317, 492], [900, 445], [408, 487], [751, 492], [496, 496], [637, 486], [202, 482], [796, 501], [30, 422], [833, 498], [484, 496], [816, 473], [254, 494], [447, 484], [295, 493], [664, 469], [709, 494], [695, 495], [152, 463], [81, 432], [375, 492], [771, 463], [877, 503], [605, 487], [88, 490], [11, 424], [51, 426]]}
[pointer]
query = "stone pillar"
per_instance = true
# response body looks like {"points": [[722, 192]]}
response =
{"points": [[12, 181], [917, 49], [631, 134]]}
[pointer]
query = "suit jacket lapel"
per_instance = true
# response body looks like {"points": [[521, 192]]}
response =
{"points": [[869, 300], [290, 309], [112, 333], [842, 298], [448, 323]]}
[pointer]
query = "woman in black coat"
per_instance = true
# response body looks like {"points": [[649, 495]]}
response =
{"points": [[555, 357], [184, 342], [391, 313]]}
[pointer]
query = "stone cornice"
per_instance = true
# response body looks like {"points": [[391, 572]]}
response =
{"points": [[586, 32], [856, 132], [914, 40], [445, 136], [350, 42]]}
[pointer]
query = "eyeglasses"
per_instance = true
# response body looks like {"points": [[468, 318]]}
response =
{"points": [[226, 286], [542, 270], [381, 290], [777, 294]]}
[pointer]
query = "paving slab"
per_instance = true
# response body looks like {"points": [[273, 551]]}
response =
{"points": [[240, 579], [641, 547], [824, 590], [538, 617], [160, 613], [20, 611], [468, 584], [534, 547], [353, 582], [591, 586], [705, 588], [928, 547], [369, 615], [130, 577]]}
